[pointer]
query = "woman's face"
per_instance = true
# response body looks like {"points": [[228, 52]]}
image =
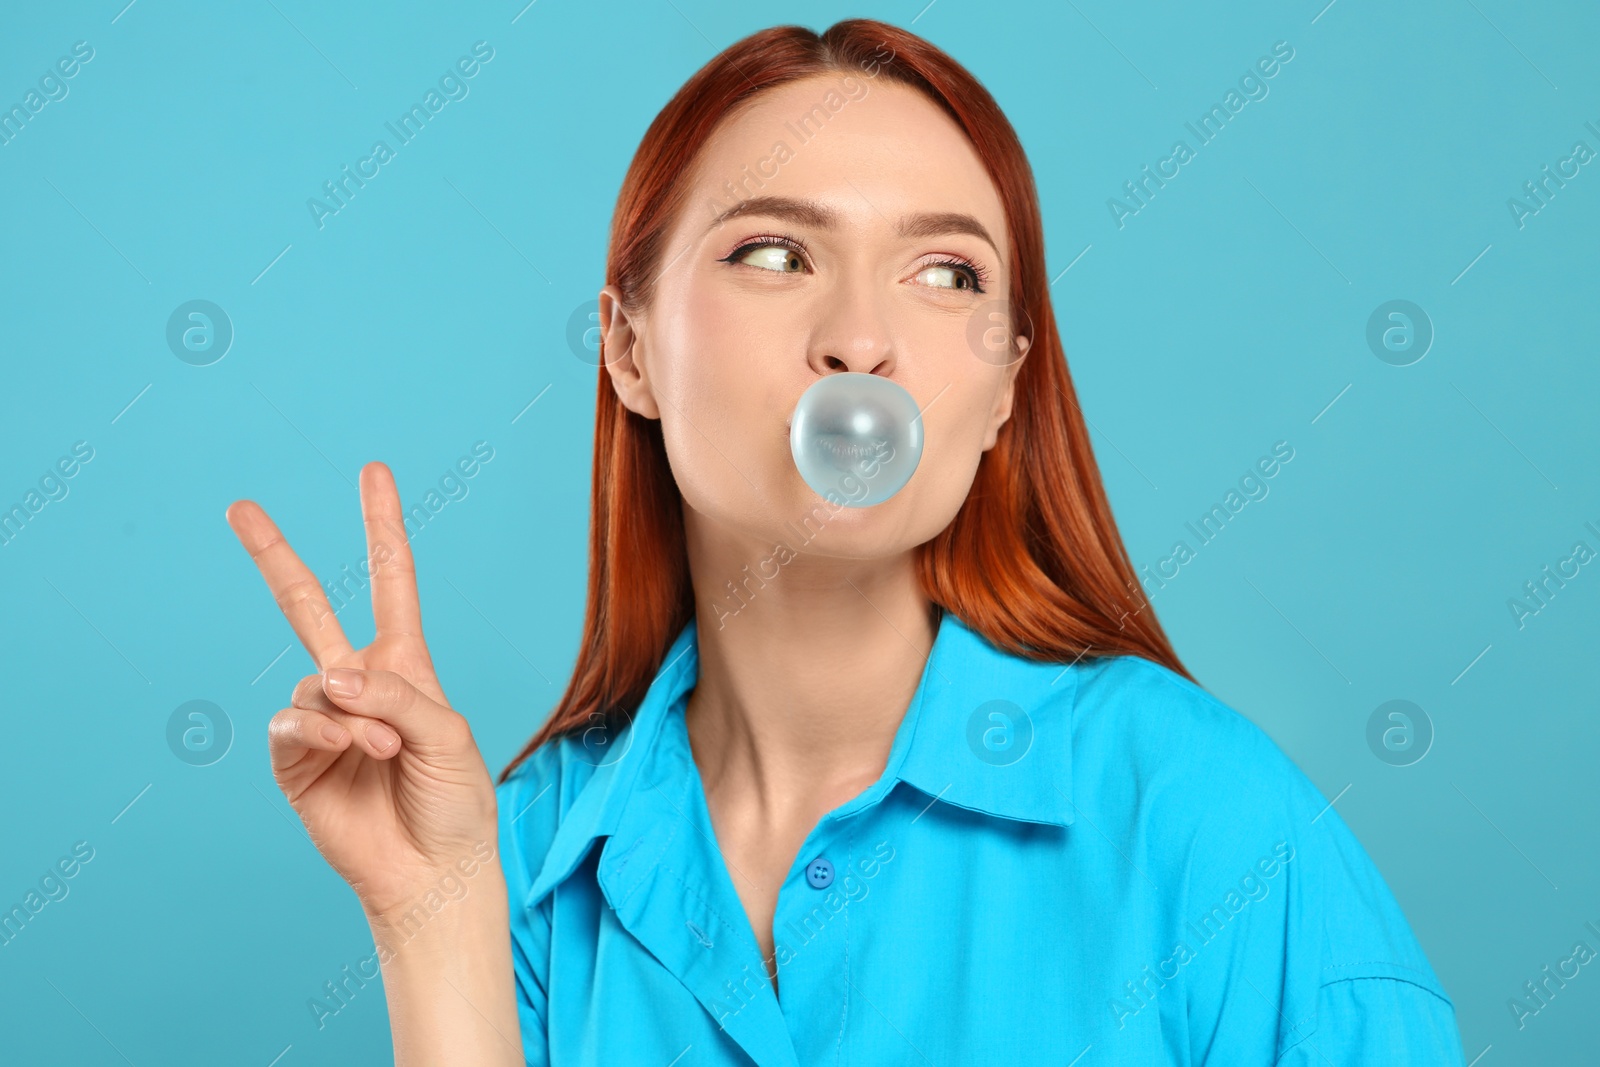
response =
{"points": [[835, 225]]}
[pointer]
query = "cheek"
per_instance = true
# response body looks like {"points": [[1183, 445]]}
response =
{"points": [[715, 352], [718, 375], [956, 388], [956, 423], [952, 445]]}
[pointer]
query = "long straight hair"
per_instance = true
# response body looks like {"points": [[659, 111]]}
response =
{"points": [[1032, 561]]}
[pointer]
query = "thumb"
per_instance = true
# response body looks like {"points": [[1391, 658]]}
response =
{"points": [[387, 696]]}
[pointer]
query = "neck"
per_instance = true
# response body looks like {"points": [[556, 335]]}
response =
{"points": [[806, 670]]}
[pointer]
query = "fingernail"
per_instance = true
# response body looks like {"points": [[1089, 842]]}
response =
{"points": [[332, 734], [342, 681], [381, 736]]}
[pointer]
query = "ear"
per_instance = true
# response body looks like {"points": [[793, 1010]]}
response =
{"points": [[621, 348], [1008, 389]]}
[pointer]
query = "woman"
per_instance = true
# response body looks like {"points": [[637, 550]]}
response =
{"points": [[922, 782]]}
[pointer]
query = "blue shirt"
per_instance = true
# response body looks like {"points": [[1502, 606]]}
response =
{"points": [[1097, 860]]}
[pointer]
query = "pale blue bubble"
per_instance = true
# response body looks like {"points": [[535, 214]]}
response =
{"points": [[856, 438]]}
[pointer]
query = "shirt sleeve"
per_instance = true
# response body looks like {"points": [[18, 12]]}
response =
{"points": [[1377, 999], [527, 817], [1301, 954], [1390, 1021]]}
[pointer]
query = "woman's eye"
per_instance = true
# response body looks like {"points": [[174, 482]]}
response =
{"points": [[775, 258], [782, 259], [947, 276]]}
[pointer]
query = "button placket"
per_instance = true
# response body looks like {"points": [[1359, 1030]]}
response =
{"points": [[811, 935]]}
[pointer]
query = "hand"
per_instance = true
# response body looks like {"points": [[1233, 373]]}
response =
{"points": [[383, 772]]}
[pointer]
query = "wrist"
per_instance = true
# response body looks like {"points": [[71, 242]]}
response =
{"points": [[452, 907], [448, 976]]}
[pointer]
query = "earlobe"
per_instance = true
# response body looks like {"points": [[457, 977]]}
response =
{"points": [[620, 349]]}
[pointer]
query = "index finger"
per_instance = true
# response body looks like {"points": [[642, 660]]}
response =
{"points": [[395, 610], [294, 587]]}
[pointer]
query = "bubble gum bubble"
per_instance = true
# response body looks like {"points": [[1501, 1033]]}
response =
{"points": [[857, 437]]}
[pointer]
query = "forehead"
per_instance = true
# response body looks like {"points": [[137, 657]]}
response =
{"points": [[868, 147]]}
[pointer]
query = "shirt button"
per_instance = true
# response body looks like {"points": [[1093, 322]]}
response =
{"points": [[819, 873]]}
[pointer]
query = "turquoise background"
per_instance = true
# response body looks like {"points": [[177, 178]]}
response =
{"points": [[1228, 314]]}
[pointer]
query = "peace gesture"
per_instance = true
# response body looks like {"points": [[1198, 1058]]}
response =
{"points": [[384, 773]]}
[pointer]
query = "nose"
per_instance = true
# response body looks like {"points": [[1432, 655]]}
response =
{"points": [[854, 335]]}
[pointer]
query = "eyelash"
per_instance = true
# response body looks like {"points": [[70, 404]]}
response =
{"points": [[976, 273]]}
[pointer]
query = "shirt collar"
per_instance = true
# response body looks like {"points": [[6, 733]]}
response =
{"points": [[986, 730]]}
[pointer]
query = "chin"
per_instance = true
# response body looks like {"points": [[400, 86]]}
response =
{"points": [[814, 526]]}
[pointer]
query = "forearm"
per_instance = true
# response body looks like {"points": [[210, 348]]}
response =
{"points": [[449, 981]]}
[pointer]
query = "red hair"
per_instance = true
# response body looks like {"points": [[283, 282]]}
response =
{"points": [[1032, 561]]}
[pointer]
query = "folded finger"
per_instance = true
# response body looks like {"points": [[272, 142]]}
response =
{"points": [[295, 731], [373, 736], [308, 693], [388, 696]]}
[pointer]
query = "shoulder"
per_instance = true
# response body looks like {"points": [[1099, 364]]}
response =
{"points": [[1228, 816], [1135, 718], [532, 802]]}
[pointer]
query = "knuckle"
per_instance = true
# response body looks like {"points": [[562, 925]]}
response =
{"points": [[398, 566], [285, 727], [386, 687], [456, 728], [307, 691], [296, 593]]}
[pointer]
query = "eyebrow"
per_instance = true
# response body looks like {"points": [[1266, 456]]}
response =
{"points": [[816, 215]]}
